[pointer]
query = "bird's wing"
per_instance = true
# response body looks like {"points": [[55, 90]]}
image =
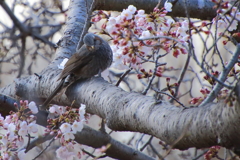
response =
{"points": [[77, 60]]}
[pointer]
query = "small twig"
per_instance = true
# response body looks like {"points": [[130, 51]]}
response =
{"points": [[167, 37], [183, 71], [156, 152], [156, 90], [153, 75], [88, 153], [159, 2], [200, 155], [146, 144], [123, 76], [213, 94], [139, 140], [44, 149]]}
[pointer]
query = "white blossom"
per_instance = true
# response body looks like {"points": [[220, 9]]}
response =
{"points": [[131, 9], [11, 127], [32, 128], [168, 6], [77, 126], [22, 132], [82, 111], [68, 136], [63, 153], [126, 14], [33, 107], [146, 34], [65, 128]]}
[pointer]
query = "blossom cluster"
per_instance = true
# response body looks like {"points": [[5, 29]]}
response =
{"points": [[212, 152], [137, 37], [227, 20], [16, 127], [71, 122], [19, 128]]}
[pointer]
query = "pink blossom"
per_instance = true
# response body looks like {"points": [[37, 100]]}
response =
{"points": [[168, 6], [181, 32], [145, 34], [67, 136], [65, 128], [59, 110], [52, 109], [22, 132], [141, 21], [8, 119], [32, 128], [126, 14], [11, 127], [77, 126], [82, 111], [118, 59], [23, 125], [63, 153], [131, 9], [33, 107], [140, 14]]}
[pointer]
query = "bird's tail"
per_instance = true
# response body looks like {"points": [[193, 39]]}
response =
{"points": [[53, 94]]}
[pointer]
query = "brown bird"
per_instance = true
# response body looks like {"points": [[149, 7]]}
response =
{"points": [[91, 59]]}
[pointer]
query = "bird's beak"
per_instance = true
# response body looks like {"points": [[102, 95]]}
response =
{"points": [[90, 48]]}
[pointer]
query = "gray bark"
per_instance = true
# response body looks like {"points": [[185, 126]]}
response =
{"points": [[202, 9], [213, 124]]}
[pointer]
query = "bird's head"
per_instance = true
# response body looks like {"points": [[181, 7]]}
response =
{"points": [[92, 41]]}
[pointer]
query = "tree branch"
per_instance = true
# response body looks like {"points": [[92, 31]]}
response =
{"points": [[201, 9], [222, 77], [97, 139]]}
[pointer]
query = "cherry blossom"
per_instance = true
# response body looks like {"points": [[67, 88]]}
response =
{"points": [[33, 107], [168, 6], [82, 111], [77, 126], [68, 135], [64, 153], [32, 128], [65, 128], [22, 132]]}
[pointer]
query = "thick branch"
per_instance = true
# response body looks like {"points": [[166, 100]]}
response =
{"points": [[202, 9], [97, 139], [214, 124]]}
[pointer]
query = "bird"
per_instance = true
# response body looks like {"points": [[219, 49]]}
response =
{"points": [[92, 58]]}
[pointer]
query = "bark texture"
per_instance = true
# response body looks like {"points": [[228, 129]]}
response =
{"points": [[202, 9], [213, 124]]}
